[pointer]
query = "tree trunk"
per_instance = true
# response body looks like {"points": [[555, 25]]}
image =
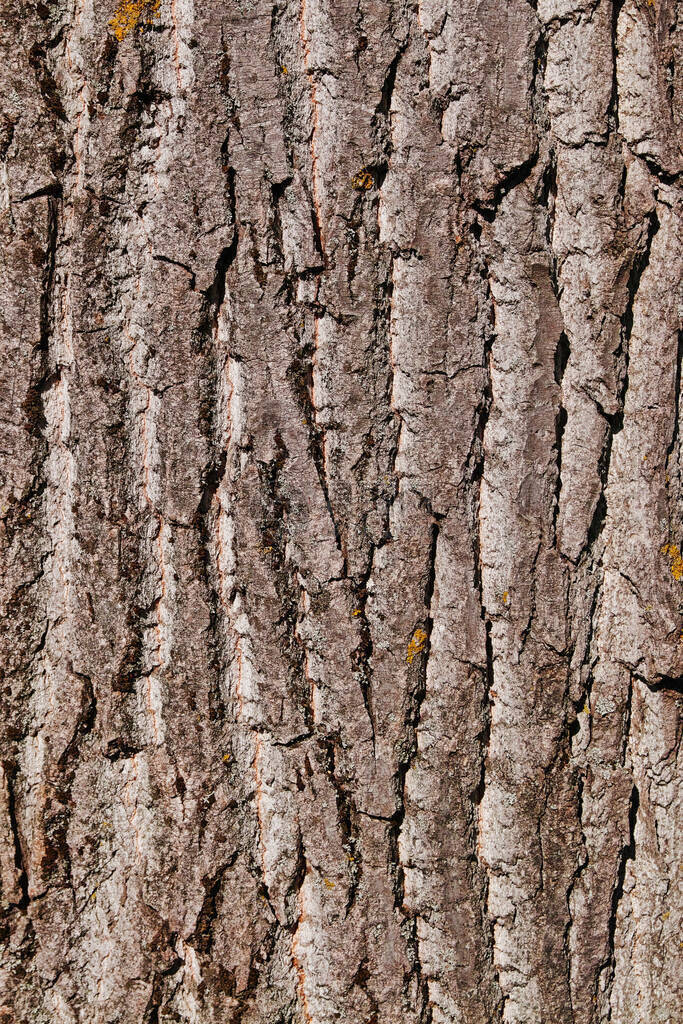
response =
{"points": [[340, 512]]}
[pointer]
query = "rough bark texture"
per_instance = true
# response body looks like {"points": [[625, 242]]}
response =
{"points": [[340, 512]]}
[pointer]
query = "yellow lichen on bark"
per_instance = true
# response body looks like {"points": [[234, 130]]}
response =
{"points": [[416, 645], [363, 181], [674, 555], [130, 13]]}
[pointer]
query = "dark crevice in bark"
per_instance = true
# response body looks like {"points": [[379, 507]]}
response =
{"points": [[584, 700], [539, 108], [526, 630], [51, 376], [259, 960], [628, 853], [615, 422], [382, 117], [673, 444], [382, 329], [416, 696], [275, 508], [361, 656], [582, 864], [10, 769], [484, 737], [215, 293], [613, 105], [354, 224], [489, 208], [315, 224], [297, 879], [295, 741], [548, 199], [600, 512], [562, 353], [164, 941], [213, 473], [360, 980], [668, 684], [479, 460], [477, 454], [431, 579], [22, 521], [640, 262], [213, 477], [130, 660], [85, 722], [561, 358], [347, 814], [278, 191], [384, 105], [21, 513], [485, 734], [626, 720], [53, 191], [176, 263], [300, 376], [201, 938]]}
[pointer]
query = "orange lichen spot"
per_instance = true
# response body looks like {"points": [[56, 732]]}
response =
{"points": [[672, 551], [357, 611], [506, 598], [226, 758], [362, 181], [329, 883], [131, 14], [416, 645], [283, 69]]}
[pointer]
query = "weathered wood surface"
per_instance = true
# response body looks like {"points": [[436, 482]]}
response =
{"points": [[340, 497]]}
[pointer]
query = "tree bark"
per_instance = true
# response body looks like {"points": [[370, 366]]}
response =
{"points": [[340, 511]]}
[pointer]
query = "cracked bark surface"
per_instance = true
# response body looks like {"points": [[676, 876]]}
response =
{"points": [[340, 512]]}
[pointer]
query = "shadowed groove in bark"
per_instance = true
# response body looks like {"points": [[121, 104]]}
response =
{"points": [[10, 770], [628, 853], [408, 754], [615, 423], [300, 376], [638, 267], [214, 472]]}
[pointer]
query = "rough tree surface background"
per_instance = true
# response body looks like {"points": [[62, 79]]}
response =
{"points": [[340, 506]]}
